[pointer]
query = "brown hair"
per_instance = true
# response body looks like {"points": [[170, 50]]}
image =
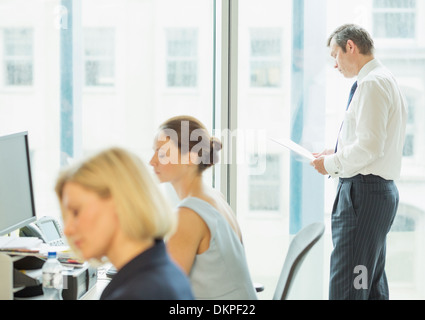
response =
{"points": [[192, 136], [355, 33]]}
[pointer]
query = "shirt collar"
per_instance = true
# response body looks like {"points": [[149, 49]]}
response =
{"points": [[367, 68]]}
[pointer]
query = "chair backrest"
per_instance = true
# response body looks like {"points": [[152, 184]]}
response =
{"points": [[300, 245]]}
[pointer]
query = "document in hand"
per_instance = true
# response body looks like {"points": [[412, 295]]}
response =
{"points": [[291, 145]]}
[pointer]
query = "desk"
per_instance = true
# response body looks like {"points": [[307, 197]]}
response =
{"points": [[34, 264], [93, 293], [96, 291], [102, 281]]}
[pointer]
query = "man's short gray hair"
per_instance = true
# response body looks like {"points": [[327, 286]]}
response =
{"points": [[357, 34]]}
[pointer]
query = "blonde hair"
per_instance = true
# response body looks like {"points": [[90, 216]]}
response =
{"points": [[115, 173]]}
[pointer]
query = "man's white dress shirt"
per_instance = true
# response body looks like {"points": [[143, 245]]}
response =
{"points": [[372, 137]]}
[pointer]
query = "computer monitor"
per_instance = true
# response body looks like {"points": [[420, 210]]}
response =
{"points": [[16, 192]]}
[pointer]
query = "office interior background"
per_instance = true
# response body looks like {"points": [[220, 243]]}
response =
{"points": [[81, 75]]}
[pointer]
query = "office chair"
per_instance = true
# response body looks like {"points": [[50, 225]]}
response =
{"points": [[300, 245]]}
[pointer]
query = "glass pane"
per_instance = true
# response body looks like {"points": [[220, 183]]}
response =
{"points": [[262, 179], [19, 73], [99, 73], [182, 51], [18, 56], [394, 3], [309, 109], [409, 146], [99, 42], [265, 42], [266, 57], [394, 19], [101, 80], [29, 89], [18, 42], [150, 51], [384, 26], [182, 42], [264, 189], [182, 73], [99, 50], [265, 73]]}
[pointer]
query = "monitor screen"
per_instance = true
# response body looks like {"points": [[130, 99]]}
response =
{"points": [[16, 192]]}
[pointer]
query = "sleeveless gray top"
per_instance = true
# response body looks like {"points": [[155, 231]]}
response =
{"points": [[221, 272]]}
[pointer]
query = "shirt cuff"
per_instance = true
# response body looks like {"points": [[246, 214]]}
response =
{"points": [[332, 165]]}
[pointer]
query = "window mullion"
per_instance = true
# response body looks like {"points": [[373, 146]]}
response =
{"points": [[70, 82], [226, 94]]}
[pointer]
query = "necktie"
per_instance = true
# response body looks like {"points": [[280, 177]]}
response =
{"points": [[353, 90]]}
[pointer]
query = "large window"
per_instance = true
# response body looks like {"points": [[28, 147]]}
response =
{"points": [[309, 109], [80, 75], [100, 83]]}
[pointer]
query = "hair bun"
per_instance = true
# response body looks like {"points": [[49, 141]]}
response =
{"points": [[215, 148], [216, 145]]}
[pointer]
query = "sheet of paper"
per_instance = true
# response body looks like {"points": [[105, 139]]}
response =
{"points": [[19, 242], [291, 145]]}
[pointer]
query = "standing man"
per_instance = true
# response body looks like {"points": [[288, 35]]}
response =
{"points": [[367, 160]]}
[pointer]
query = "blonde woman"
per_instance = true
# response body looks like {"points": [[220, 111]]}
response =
{"points": [[111, 207], [208, 242]]}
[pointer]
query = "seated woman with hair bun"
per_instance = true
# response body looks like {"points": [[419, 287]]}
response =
{"points": [[207, 243]]}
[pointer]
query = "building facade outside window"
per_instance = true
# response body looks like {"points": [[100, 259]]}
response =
{"points": [[99, 57], [409, 144], [182, 58], [18, 56], [264, 189], [266, 57], [385, 12]]}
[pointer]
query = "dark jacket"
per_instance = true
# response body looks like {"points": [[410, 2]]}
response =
{"points": [[149, 276]]}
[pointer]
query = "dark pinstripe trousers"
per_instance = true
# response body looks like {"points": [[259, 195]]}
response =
{"points": [[362, 215]]}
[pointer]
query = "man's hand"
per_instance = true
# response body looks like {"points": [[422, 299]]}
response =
{"points": [[319, 162], [319, 165]]}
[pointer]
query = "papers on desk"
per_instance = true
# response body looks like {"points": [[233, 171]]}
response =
{"points": [[291, 145], [34, 247], [19, 243]]}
